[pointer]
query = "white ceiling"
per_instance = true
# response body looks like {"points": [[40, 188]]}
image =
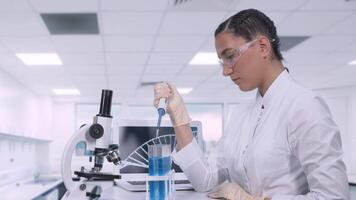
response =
{"points": [[152, 40]]}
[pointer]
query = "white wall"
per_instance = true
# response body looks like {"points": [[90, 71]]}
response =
{"points": [[63, 128], [21, 111], [352, 131], [342, 104]]}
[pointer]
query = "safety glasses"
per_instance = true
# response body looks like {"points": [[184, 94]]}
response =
{"points": [[231, 56]]}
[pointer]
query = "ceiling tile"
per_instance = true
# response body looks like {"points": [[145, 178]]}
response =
{"points": [[271, 5], [122, 70], [201, 5], [182, 23], [78, 43], [127, 81], [200, 70], [309, 23], [82, 58], [89, 79], [85, 70], [209, 45], [130, 23], [133, 5], [347, 47], [9, 59], [344, 27], [329, 5], [118, 59], [33, 44], [170, 58], [188, 80], [322, 44], [11, 5], [65, 6], [306, 59], [276, 16], [128, 43], [174, 43], [156, 78], [338, 59], [219, 78], [15, 24], [3, 48], [163, 69]]}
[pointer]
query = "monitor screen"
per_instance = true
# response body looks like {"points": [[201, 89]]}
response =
{"points": [[134, 139]]}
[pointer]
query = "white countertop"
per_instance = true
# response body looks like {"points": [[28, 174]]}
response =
{"points": [[117, 193], [26, 189]]}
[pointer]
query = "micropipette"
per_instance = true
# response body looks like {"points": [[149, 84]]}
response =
{"points": [[161, 111]]}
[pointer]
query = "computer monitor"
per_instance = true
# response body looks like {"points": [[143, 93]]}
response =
{"points": [[134, 135]]}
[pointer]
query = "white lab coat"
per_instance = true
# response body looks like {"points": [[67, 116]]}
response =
{"points": [[284, 145]]}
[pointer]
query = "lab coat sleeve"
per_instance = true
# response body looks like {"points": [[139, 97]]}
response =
{"points": [[204, 173], [315, 140]]}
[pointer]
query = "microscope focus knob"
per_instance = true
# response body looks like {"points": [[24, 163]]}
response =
{"points": [[96, 131]]}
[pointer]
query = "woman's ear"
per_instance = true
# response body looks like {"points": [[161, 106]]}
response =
{"points": [[265, 47]]}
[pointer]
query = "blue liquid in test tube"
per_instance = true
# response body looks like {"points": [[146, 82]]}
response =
{"points": [[159, 165]]}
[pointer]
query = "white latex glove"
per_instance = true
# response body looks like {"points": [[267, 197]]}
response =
{"points": [[175, 105], [231, 191]]}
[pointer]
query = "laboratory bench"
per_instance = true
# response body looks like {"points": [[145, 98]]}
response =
{"points": [[43, 188], [118, 193], [51, 187]]}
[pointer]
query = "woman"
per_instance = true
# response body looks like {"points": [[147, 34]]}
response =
{"points": [[282, 145]]}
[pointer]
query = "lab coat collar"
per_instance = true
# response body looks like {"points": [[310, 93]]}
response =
{"points": [[274, 91]]}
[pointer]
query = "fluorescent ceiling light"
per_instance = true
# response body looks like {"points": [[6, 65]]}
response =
{"points": [[68, 91], [352, 62], [184, 90], [205, 58], [39, 58]]}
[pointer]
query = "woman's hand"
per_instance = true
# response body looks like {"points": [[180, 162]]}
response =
{"points": [[232, 191], [175, 105]]}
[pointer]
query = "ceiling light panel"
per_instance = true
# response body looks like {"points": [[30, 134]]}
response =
{"points": [[39, 58], [205, 58], [66, 91], [184, 90]]}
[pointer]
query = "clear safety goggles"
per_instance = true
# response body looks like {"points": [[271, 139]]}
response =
{"points": [[231, 56]]}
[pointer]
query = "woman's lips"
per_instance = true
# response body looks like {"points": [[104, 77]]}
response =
{"points": [[235, 79]]}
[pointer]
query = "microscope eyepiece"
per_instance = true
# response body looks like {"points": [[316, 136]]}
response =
{"points": [[105, 103]]}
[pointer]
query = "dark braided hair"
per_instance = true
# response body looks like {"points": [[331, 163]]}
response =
{"points": [[248, 24]]}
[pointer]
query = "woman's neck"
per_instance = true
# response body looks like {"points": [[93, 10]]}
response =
{"points": [[273, 70]]}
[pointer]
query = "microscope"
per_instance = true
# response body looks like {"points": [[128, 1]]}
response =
{"points": [[96, 137]]}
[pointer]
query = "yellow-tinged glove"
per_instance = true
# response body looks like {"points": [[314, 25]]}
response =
{"points": [[231, 191], [175, 105]]}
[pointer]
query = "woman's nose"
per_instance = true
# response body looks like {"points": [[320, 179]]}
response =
{"points": [[227, 71]]}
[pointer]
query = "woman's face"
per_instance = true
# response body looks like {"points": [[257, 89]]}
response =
{"points": [[245, 68]]}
